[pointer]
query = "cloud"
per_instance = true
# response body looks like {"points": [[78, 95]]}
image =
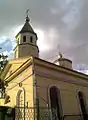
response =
{"points": [[63, 24], [6, 45]]}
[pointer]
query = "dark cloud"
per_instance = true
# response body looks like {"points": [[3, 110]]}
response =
{"points": [[67, 17]]}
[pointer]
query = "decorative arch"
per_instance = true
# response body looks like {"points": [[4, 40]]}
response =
{"points": [[21, 98]]}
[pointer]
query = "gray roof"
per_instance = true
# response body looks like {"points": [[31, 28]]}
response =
{"points": [[27, 27]]}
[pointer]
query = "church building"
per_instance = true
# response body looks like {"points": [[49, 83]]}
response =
{"points": [[55, 89]]}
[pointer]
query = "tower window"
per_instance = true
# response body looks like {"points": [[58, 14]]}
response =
{"points": [[31, 39], [24, 38]]}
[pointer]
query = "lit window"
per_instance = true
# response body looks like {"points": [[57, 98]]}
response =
{"points": [[24, 38]]}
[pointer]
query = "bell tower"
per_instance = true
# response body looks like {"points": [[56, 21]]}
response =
{"points": [[26, 41]]}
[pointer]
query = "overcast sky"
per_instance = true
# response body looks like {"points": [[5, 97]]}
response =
{"points": [[61, 25]]}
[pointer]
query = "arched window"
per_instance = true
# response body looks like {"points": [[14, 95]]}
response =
{"points": [[55, 102], [82, 105], [31, 39], [20, 99], [24, 38], [20, 103]]}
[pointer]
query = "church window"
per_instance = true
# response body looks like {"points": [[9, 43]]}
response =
{"points": [[24, 38], [20, 103], [55, 103], [20, 98], [82, 105], [31, 39]]}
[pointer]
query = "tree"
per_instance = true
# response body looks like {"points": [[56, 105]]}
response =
{"points": [[3, 61]]}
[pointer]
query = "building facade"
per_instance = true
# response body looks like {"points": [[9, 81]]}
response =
{"points": [[35, 83]]}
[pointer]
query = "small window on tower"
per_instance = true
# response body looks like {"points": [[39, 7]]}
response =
{"points": [[24, 38], [31, 39]]}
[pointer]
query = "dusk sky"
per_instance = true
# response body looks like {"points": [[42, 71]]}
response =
{"points": [[61, 25]]}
